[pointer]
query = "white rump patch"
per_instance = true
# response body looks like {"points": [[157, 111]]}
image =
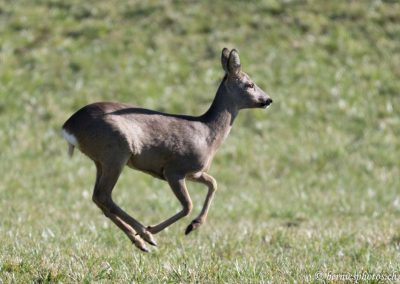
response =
{"points": [[70, 137]]}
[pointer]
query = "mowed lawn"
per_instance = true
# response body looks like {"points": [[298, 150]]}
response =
{"points": [[309, 186]]}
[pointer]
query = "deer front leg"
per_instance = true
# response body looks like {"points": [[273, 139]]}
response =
{"points": [[178, 186], [211, 183]]}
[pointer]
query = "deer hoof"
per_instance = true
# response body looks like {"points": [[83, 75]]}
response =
{"points": [[192, 226], [144, 249], [140, 245], [148, 237]]}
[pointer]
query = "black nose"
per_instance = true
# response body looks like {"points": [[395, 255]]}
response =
{"points": [[268, 101]]}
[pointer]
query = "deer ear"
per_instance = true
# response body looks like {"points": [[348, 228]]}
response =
{"points": [[224, 59], [234, 62]]}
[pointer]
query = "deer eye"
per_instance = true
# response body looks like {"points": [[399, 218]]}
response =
{"points": [[249, 86]]}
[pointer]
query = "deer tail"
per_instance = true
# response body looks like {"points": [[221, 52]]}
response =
{"points": [[70, 150], [72, 142]]}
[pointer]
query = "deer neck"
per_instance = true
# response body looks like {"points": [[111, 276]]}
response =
{"points": [[220, 116]]}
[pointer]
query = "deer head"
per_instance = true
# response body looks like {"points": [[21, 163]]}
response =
{"points": [[242, 90]]}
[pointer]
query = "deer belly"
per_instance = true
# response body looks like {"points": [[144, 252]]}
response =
{"points": [[149, 167]]}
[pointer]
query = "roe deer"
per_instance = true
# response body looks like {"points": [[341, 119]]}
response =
{"points": [[170, 147]]}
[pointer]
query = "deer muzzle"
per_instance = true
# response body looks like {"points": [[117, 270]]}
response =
{"points": [[266, 102]]}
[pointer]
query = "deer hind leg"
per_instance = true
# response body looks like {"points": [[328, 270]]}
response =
{"points": [[211, 183], [106, 178], [178, 186]]}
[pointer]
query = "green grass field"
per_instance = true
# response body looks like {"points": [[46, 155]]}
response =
{"points": [[310, 185]]}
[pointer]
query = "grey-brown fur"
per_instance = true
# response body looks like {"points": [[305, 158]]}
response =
{"points": [[170, 147]]}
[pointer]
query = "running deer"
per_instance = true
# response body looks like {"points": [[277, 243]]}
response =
{"points": [[170, 147]]}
